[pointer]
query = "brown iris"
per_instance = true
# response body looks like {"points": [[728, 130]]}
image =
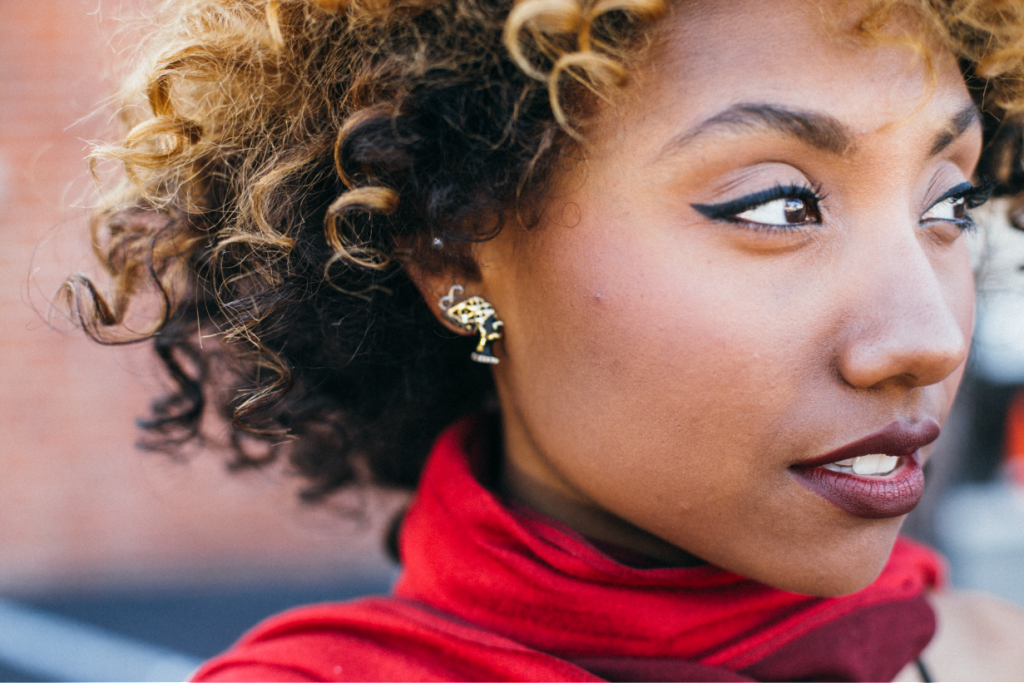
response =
{"points": [[797, 211], [959, 208]]}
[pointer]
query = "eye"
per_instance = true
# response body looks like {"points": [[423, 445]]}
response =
{"points": [[779, 212], [952, 207], [781, 207], [948, 209]]}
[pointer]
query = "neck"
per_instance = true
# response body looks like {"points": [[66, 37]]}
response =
{"points": [[523, 482]]}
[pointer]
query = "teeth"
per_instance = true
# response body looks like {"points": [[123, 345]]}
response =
{"points": [[875, 464], [866, 464]]}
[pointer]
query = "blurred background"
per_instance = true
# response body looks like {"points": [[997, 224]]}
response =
{"points": [[117, 564], [121, 565]]}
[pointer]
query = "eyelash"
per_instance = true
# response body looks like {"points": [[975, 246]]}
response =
{"points": [[973, 196], [728, 211]]}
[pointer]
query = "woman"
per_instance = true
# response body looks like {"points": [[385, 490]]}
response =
{"points": [[710, 255]]}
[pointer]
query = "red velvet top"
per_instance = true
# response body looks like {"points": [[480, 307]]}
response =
{"points": [[493, 593]]}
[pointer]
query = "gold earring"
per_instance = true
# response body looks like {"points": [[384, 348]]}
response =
{"points": [[474, 314]]}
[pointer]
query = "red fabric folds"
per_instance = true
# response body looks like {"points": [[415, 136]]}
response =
{"points": [[492, 593]]}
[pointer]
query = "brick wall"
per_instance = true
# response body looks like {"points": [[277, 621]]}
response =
{"points": [[79, 506]]}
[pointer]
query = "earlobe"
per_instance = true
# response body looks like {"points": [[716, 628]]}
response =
{"points": [[465, 315]]}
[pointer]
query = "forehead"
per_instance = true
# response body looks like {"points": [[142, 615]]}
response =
{"points": [[799, 55]]}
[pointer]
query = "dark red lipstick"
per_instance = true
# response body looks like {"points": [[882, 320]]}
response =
{"points": [[873, 497]]}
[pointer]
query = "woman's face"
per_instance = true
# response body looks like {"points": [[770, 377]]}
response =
{"points": [[757, 264]]}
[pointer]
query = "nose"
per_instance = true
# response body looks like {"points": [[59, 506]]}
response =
{"points": [[910, 316]]}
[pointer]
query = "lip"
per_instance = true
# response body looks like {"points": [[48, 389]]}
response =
{"points": [[873, 497]]}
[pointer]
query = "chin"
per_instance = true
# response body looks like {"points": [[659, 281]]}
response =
{"points": [[845, 563]]}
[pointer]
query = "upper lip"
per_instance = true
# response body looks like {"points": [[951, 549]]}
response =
{"points": [[898, 438]]}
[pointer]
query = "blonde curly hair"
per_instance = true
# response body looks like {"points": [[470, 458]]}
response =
{"points": [[285, 158]]}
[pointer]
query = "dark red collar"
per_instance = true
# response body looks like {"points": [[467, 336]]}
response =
{"points": [[541, 584]]}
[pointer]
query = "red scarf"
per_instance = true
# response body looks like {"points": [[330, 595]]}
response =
{"points": [[489, 593]]}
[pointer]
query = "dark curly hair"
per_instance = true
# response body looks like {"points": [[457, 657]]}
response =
{"points": [[288, 160]]}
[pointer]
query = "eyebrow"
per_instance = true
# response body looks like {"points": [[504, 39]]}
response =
{"points": [[816, 129], [958, 125]]}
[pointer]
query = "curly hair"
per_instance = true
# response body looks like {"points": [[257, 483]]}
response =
{"points": [[286, 159]]}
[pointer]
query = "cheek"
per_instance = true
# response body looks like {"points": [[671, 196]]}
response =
{"points": [[964, 293], [640, 356], [961, 295]]}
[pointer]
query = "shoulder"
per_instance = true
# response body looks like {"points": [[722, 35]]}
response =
{"points": [[379, 639], [979, 637]]}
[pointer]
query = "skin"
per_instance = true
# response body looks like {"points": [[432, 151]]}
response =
{"points": [[661, 371], [978, 639]]}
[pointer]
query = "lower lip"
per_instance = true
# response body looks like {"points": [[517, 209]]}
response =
{"points": [[868, 497]]}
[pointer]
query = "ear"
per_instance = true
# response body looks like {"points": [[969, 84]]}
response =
{"points": [[434, 285]]}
